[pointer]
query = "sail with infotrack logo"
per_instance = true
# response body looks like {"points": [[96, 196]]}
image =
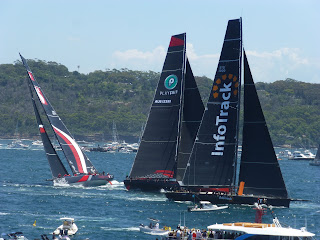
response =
{"points": [[213, 157]]}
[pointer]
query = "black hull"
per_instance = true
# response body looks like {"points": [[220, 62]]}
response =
{"points": [[151, 185], [85, 180], [227, 199]]}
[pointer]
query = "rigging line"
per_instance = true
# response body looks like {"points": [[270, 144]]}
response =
{"points": [[190, 88], [232, 39], [186, 121], [213, 143], [261, 163], [176, 51], [172, 70], [158, 141], [255, 122], [231, 60], [165, 106], [219, 103]]}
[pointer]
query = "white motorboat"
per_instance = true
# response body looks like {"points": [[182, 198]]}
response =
{"points": [[306, 155], [68, 227], [17, 144], [13, 236], [153, 228], [37, 143], [205, 206], [258, 230]]}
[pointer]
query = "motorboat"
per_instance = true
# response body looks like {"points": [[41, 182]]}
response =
{"points": [[37, 143], [306, 155], [284, 155], [205, 206], [13, 236], [316, 160], [17, 144], [68, 227], [153, 228], [258, 230]]}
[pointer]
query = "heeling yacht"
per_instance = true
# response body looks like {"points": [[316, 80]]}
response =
{"points": [[83, 171]]}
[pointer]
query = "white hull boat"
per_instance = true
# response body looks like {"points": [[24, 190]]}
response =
{"points": [[259, 230], [68, 227], [205, 206], [153, 228], [153, 231]]}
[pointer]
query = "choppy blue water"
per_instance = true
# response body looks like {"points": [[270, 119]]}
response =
{"points": [[111, 212]]}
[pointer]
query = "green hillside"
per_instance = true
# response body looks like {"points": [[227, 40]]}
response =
{"points": [[89, 103]]}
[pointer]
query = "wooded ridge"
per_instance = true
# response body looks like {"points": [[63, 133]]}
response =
{"points": [[90, 103]]}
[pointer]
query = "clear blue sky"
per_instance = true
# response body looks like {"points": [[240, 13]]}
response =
{"points": [[281, 38]]}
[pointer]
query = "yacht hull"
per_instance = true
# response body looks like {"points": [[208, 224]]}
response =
{"points": [[85, 180], [227, 199], [151, 184]]}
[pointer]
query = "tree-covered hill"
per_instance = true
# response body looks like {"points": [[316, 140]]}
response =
{"points": [[89, 103]]}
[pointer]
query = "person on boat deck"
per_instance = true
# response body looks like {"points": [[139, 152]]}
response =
{"points": [[156, 226], [178, 234], [59, 175]]}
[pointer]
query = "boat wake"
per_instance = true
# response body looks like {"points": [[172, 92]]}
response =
{"points": [[129, 229]]}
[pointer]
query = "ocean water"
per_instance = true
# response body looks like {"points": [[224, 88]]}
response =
{"points": [[112, 212]]}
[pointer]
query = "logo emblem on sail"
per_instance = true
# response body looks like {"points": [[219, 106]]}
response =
{"points": [[225, 78], [30, 75], [226, 87], [40, 95], [171, 82]]}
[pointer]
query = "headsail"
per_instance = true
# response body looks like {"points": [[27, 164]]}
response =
{"points": [[191, 117], [56, 166], [157, 153], [212, 161], [77, 160], [259, 168]]}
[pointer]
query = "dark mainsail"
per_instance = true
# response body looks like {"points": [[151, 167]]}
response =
{"points": [[157, 152], [56, 166], [78, 161], [191, 118], [259, 168], [212, 161]]}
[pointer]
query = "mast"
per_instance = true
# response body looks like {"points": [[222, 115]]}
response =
{"points": [[238, 115], [259, 167], [213, 154], [183, 70]]}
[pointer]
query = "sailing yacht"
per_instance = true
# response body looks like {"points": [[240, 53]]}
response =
{"points": [[171, 127], [83, 171], [212, 166], [316, 160]]}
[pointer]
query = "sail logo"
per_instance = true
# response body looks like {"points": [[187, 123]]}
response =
{"points": [[30, 75], [41, 129], [40, 95], [226, 87], [171, 82]]}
